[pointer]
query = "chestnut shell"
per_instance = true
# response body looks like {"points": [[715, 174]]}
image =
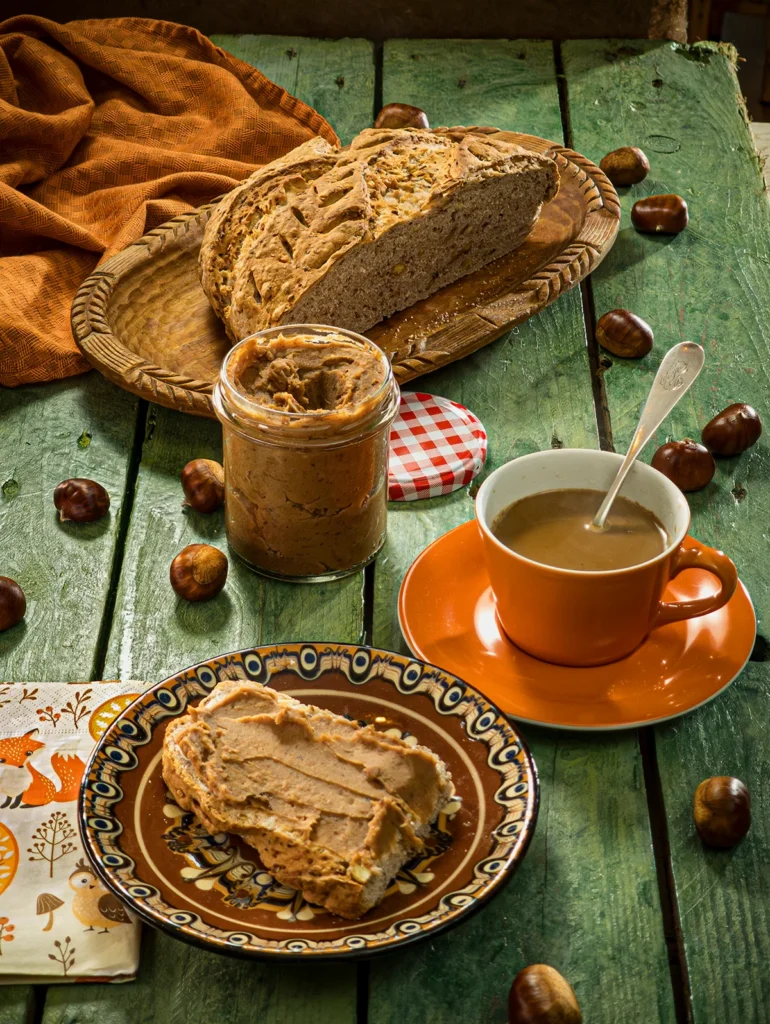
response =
{"points": [[540, 995], [722, 811], [627, 165], [686, 463], [401, 115], [13, 603], [198, 572], [81, 501], [203, 483], [624, 334], [660, 215], [732, 430]]}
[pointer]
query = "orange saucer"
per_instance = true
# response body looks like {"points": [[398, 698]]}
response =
{"points": [[447, 614]]}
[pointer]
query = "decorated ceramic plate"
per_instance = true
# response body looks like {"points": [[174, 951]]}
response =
{"points": [[213, 891]]}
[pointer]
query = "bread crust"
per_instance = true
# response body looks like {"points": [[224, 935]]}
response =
{"points": [[273, 243]]}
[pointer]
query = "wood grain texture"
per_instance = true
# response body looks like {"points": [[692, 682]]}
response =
{"points": [[155, 282], [589, 871], [709, 284], [155, 633], [179, 984], [336, 78], [16, 1004], [81, 427]]}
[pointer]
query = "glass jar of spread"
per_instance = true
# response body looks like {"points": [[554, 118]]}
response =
{"points": [[306, 412]]}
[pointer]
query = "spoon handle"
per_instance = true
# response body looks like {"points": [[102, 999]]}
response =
{"points": [[677, 371]]}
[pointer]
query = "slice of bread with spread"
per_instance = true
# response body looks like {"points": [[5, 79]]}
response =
{"points": [[349, 237], [333, 808]]}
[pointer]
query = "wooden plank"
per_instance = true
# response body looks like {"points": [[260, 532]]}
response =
{"points": [[180, 983], [81, 427], [78, 427], [16, 1004], [336, 78], [709, 284], [586, 897], [155, 634]]}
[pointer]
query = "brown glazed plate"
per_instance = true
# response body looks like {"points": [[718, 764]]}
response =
{"points": [[143, 320], [213, 891]]}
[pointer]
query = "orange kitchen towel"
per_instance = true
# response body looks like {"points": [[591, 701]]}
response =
{"points": [[107, 129]]}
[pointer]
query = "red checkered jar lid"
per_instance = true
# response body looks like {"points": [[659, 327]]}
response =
{"points": [[436, 446]]}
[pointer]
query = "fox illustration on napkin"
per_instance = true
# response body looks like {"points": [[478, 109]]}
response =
{"points": [[57, 921], [21, 782]]}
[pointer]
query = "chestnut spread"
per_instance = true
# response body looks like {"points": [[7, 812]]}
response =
{"points": [[306, 444], [334, 808]]}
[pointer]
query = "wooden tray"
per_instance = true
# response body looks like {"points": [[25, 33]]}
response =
{"points": [[143, 320]]}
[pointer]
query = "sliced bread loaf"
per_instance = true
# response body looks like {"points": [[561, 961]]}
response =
{"points": [[348, 238]]}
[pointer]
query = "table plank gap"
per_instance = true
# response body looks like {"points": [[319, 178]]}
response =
{"points": [[378, 62], [596, 366], [672, 925], [362, 992], [369, 589], [129, 494]]}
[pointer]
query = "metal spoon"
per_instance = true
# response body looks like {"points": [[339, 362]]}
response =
{"points": [[677, 371]]}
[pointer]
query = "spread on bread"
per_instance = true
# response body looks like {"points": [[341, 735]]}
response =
{"points": [[333, 808], [348, 237]]}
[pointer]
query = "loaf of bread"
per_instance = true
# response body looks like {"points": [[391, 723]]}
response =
{"points": [[349, 237], [333, 808]]}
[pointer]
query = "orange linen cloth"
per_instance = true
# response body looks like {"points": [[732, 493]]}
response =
{"points": [[107, 129]]}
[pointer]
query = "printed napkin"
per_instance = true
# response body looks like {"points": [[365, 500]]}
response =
{"points": [[57, 921]]}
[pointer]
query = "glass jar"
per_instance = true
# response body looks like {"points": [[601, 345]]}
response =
{"points": [[306, 412]]}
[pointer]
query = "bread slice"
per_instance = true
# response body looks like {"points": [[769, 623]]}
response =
{"points": [[387, 222], [235, 217], [333, 808]]}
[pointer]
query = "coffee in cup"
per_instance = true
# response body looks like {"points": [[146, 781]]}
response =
{"points": [[556, 528], [589, 616]]}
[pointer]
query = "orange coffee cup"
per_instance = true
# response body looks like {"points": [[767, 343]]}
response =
{"points": [[572, 617]]}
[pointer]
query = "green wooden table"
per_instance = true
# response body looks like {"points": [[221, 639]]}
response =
{"points": [[616, 892]]}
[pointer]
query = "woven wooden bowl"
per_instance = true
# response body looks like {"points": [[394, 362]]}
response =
{"points": [[143, 320]]}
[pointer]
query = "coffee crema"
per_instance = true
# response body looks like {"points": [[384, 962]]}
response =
{"points": [[554, 528]]}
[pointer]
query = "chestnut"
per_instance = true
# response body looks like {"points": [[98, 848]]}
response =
{"points": [[686, 463], [401, 115], [81, 501], [626, 166], [663, 215], [13, 603], [540, 995], [722, 811], [732, 430], [198, 572], [203, 483], [624, 334]]}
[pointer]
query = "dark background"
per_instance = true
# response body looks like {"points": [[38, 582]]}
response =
{"points": [[388, 19], [745, 23]]}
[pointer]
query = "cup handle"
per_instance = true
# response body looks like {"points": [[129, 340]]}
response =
{"points": [[691, 557]]}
